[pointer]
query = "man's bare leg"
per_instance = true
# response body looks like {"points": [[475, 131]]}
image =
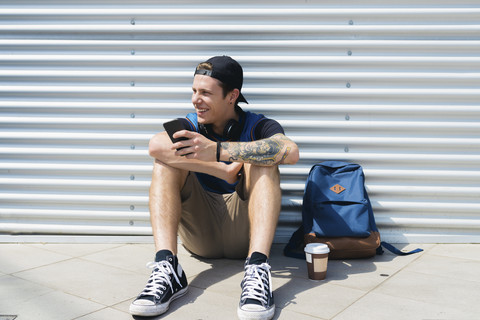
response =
{"points": [[165, 212], [165, 205], [263, 188]]}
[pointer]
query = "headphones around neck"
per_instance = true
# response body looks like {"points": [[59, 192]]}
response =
{"points": [[232, 131]]}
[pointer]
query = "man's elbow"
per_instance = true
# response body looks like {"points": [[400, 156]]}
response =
{"points": [[293, 156], [155, 146]]}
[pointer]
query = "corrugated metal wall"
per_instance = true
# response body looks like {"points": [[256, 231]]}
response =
{"points": [[394, 86]]}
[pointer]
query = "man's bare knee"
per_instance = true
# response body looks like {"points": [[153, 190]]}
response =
{"points": [[256, 171], [254, 174], [168, 175]]}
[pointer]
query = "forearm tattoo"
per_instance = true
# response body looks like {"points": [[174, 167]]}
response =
{"points": [[261, 152]]}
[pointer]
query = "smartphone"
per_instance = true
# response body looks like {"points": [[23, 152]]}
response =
{"points": [[173, 126]]}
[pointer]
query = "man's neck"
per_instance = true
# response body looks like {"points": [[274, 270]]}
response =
{"points": [[218, 129]]}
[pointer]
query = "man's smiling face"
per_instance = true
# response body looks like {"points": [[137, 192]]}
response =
{"points": [[208, 100]]}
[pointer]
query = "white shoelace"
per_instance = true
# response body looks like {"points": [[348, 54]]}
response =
{"points": [[159, 279], [257, 283]]}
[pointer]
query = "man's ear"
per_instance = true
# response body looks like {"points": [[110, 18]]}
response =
{"points": [[234, 95]]}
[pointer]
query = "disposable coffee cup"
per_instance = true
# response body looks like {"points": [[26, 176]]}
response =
{"points": [[316, 255]]}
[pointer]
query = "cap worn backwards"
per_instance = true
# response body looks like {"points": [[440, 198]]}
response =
{"points": [[226, 70]]}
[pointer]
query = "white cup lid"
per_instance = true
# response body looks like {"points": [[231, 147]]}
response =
{"points": [[317, 248]]}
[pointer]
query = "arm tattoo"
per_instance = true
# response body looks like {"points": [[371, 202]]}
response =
{"points": [[261, 152]]}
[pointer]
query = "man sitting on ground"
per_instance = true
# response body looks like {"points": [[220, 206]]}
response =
{"points": [[219, 190]]}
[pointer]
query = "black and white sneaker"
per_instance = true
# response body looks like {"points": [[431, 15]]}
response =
{"points": [[166, 283], [256, 301]]}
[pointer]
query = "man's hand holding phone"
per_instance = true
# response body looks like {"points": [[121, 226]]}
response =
{"points": [[201, 148]]}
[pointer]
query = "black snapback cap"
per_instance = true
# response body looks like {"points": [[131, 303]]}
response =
{"points": [[226, 70]]}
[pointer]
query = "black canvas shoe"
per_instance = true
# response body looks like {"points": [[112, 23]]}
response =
{"points": [[166, 283], [256, 301]]}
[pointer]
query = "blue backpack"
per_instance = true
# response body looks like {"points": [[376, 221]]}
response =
{"points": [[337, 211]]}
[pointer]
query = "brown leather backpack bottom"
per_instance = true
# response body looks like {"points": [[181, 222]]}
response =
{"points": [[348, 247]]}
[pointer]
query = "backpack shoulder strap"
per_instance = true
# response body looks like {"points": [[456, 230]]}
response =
{"points": [[295, 244], [397, 251]]}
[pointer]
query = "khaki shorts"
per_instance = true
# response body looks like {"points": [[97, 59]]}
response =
{"points": [[214, 225]]}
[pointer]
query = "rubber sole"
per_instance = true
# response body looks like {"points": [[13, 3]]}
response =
{"points": [[256, 315], [156, 310]]}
